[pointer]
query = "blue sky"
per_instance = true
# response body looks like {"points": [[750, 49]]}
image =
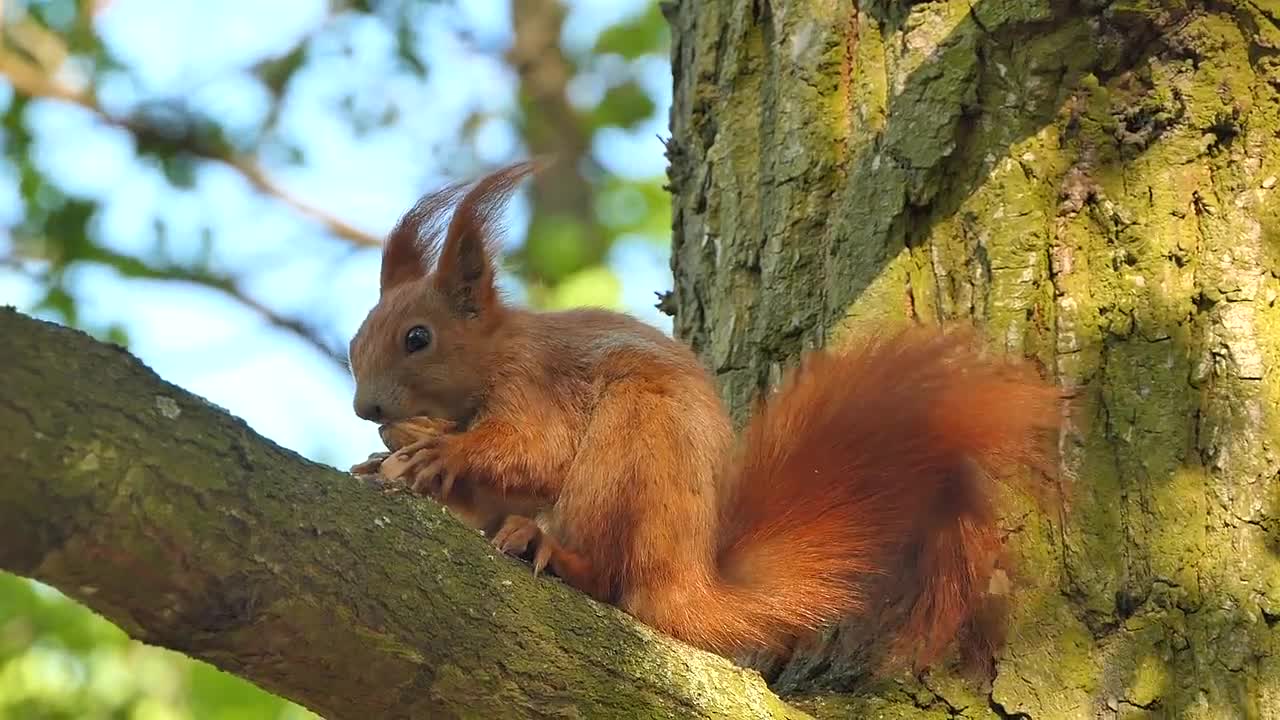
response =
{"points": [[200, 51]]}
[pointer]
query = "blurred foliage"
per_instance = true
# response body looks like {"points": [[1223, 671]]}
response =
{"points": [[570, 97], [59, 661], [568, 102]]}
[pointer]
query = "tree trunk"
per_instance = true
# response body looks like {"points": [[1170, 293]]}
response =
{"points": [[183, 527], [1094, 183]]}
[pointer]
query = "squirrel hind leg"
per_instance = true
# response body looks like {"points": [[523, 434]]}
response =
{"points": [[524, 537], [639, 501]]}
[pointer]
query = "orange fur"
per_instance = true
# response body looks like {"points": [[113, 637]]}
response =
{"points": [[606, 446]]}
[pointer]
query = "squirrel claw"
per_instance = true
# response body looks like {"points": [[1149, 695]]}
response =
{"points": [[518, 533], [425, 480], [406, 464], [425, 466], [542, 557], [446, 482]]}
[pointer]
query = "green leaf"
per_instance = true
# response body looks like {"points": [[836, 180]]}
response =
{"points": [[643, 34], [623, 106], [641, 208], [57, 300], [592, 287], [180, 170], [51, 617], [218, 696], [406, 49], [57, 15], [117, 334], [60, 660], [555, 246], [277, 72]]}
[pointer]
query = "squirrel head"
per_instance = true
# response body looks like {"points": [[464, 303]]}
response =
{"points": [[425, 348]]}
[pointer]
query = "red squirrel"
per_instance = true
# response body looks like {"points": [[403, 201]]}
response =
{"points": [[598, 445]]}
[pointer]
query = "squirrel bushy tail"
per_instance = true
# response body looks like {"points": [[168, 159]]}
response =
{"points": [[868, 462]]}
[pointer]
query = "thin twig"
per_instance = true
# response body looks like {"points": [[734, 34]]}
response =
{"points": [[136, 268], [29, 81], [226, 284]]}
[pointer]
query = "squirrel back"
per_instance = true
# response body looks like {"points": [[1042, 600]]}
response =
{"points": [[877, 458]]}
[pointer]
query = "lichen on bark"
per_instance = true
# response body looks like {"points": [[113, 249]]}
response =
{"points": [[1093, 183]]}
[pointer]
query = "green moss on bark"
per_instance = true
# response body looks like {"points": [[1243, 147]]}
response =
{"points": [[1095, 185]]}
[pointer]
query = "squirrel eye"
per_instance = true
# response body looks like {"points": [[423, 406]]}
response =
{"points": [[417, 339]]}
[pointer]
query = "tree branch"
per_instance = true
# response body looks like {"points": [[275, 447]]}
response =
{"points": [[178, 523]]}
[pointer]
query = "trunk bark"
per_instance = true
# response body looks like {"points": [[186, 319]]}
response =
{"points": [[1094, 183]]}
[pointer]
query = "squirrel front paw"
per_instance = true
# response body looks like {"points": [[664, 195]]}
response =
{"points": [[520, 534], [370, 466], [429, 466], [371, 472]]}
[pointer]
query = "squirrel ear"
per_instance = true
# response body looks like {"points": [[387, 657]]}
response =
{"points": [[465, 269], [411, 246]]}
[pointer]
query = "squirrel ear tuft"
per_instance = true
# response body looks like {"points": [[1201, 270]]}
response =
{"points": [[412, 245], [465, 268]]}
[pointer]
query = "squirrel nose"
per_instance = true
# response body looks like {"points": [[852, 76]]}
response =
{"points": [[369, 411]]}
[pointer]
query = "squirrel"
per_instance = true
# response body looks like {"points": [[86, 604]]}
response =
{"points": [[597, 446]]}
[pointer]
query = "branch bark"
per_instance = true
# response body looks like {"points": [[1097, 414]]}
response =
{"points": [[175, 521]]}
